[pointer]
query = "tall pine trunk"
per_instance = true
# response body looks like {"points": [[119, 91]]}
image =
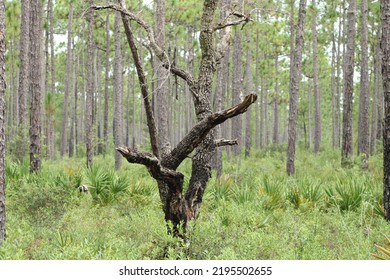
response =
{"points": [[363, 132], [249, 89], [65, 121], [294, 89], [118, 90], [89, 92], [349, 63], [385, 46], [35, 84], [24, 76], [317, 108]]}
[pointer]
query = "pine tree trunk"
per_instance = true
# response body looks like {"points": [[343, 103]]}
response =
{"points": [[23, 88], [257, 107], [65, 121], [118, 90], [2, 123], [317, 109], [237, 90], [275, 134], [248, 89], [347, 143], [363, 132], [106, 83], [333, 81], [89, 92], [385, 45], [376, 95], [35, 85], [294, 89]]}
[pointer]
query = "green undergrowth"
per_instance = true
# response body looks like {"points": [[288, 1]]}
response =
{"points": [[253, 211]]}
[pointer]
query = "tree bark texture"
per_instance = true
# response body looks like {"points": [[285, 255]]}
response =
{"points": [[349, 62], [2, 122], [363, 128], [118, 90], [317, 108], [385, 46], [89, 92], [24, 61], [161, 85], [294, 89], [35, 85], [65, 121]]}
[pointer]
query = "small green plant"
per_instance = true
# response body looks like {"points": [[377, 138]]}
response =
{"points": [[274, 192], [105, 186], [243, 194], [347, 196]]}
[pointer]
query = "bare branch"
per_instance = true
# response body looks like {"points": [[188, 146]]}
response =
{"points": [[158, 172], [199, 131], [223, 142], [226, 22], [144, 86], [160, 53]]}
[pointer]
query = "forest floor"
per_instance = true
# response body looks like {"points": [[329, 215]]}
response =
{"points": [[254, 211]]}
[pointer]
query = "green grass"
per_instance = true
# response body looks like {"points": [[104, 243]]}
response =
{"points": [[254, 211]]}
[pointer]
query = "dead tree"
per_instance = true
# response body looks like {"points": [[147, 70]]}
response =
{"points": [[181, 207]]}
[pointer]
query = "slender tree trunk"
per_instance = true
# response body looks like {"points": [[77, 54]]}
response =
{"points": [[219, 92], [347, 143], [106, 83], [89, 93], [294, 89], [333, 81], [264, 89], [317, 108], [374, 110], [275, 134], [237, 90], [118, 91], [65, 121], [35, 85], [73, 115], [257, 108], [363, 132], [24, 76], [2, 123], [340, 38], [248, 89], [385, 45]]}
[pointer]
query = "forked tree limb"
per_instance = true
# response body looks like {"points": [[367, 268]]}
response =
{"points": [[143, 84], [200, 130], [160, 53], [156, 170]]}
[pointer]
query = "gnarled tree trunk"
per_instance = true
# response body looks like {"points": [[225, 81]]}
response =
{"points": [[180, 207]]}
